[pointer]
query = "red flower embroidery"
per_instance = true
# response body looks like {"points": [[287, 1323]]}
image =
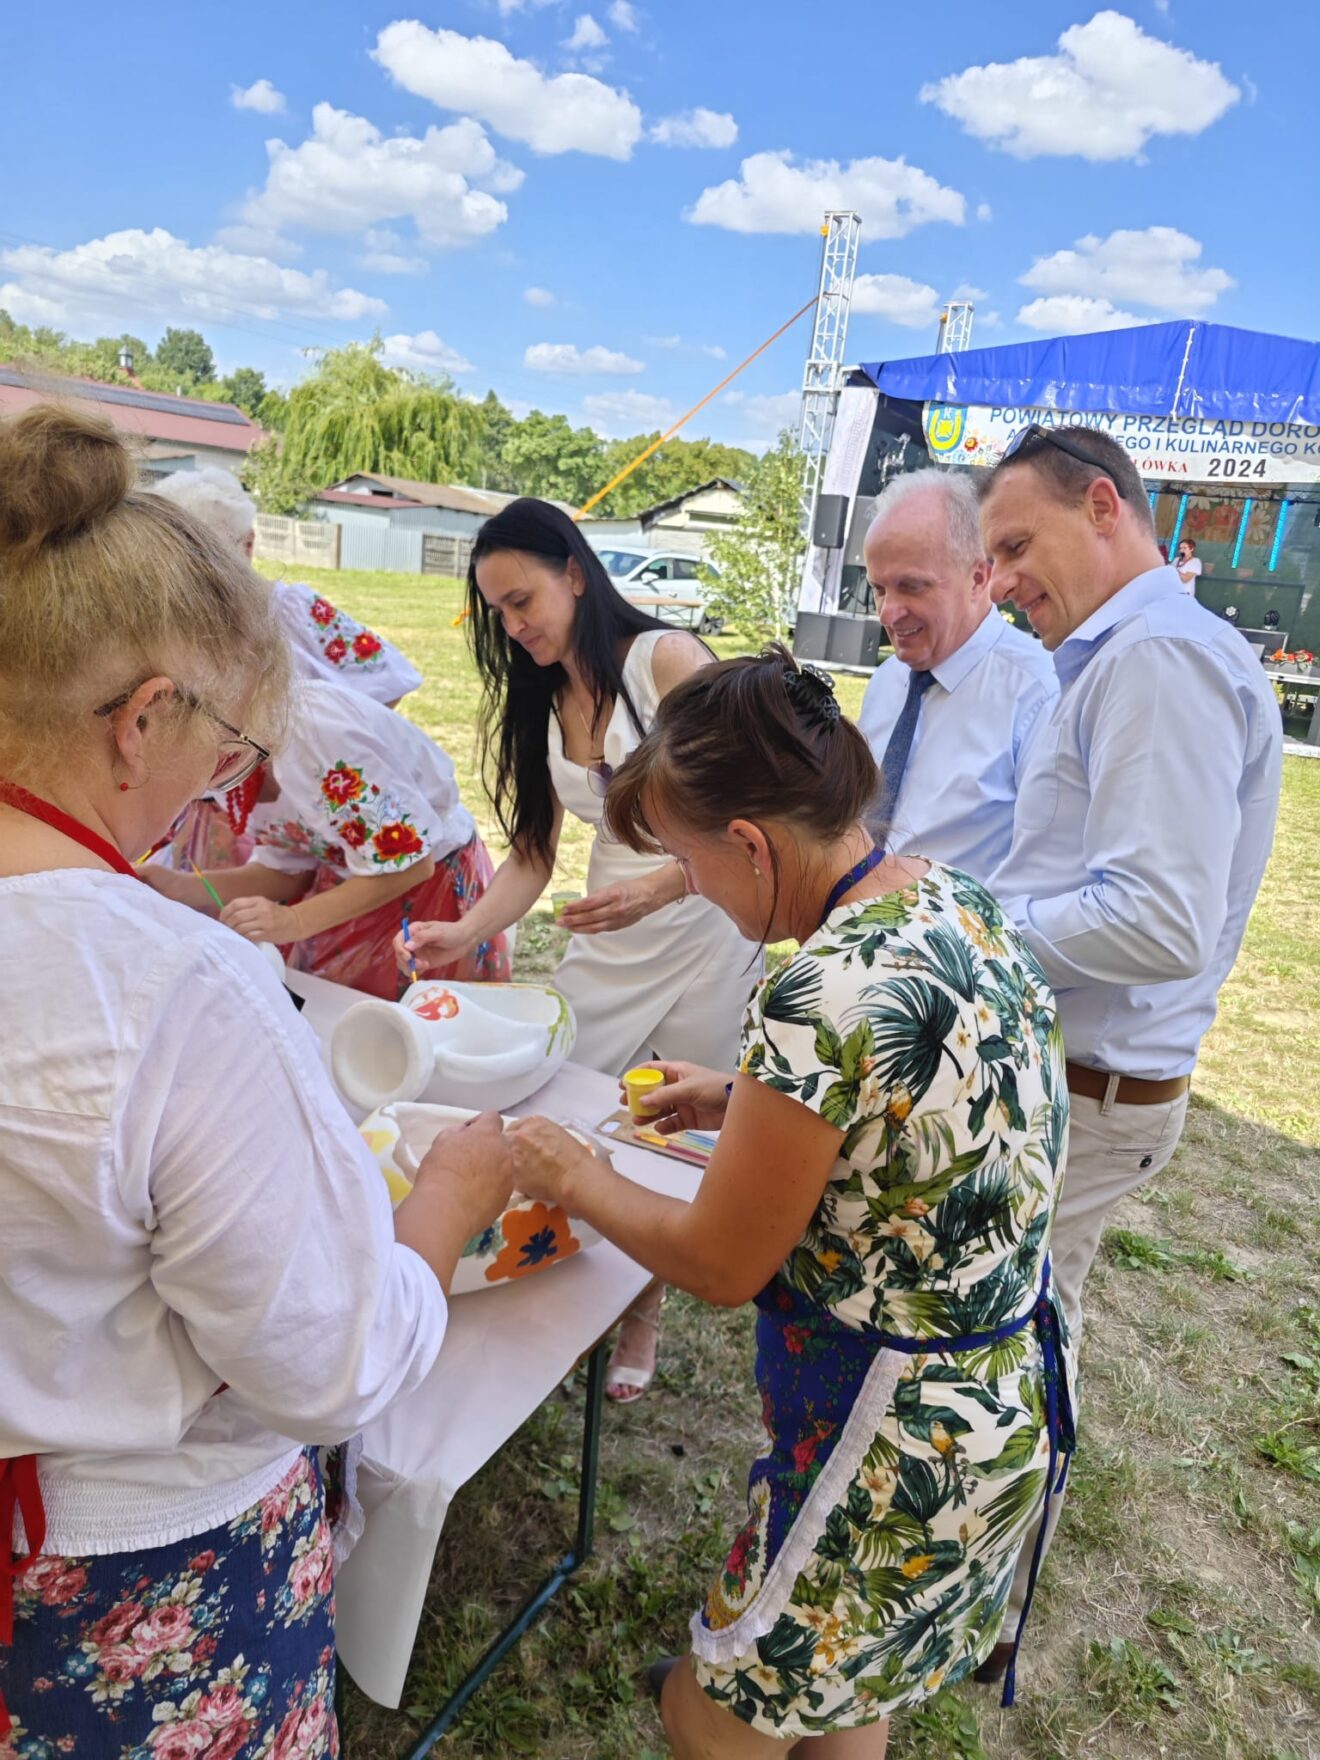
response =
{"points": [[804, 1453], [341, 784], [366, 644], [393, 841], [354, 833], [323, 612], [795, 1337], [336, 650]]}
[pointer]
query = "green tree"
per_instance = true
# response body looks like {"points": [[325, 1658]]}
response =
{"points": [[273, 412], [267, 476], [547, 456], [355, 414], [760, 559], [187, 355], [246, 387], [497, 423]]}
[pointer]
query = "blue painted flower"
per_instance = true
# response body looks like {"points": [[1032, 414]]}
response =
{"points": [[539, 1247]]}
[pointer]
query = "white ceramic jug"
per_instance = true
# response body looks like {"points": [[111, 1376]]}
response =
{"points": [[481, 1046]]}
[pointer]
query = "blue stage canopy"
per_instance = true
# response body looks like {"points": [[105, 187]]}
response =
{"points": [[1207, 372]]}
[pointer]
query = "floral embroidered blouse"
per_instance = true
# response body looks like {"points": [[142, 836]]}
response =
{"points": [[327, 643], [362, 790], [920, 1024]]}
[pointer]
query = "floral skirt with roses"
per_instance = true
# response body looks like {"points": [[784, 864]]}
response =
{"points": [[221, 1647], [884, 1523], [360, 953]]}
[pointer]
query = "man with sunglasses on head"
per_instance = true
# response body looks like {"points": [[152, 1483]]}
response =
{"points": [[1143, 823]]}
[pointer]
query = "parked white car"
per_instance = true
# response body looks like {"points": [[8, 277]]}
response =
{"points": [[661, 575]]}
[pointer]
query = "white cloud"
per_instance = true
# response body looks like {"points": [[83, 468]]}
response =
{"points": [[538, 296], [566, 357], [347, 177], [1107, 91], [984, 211], [1158, 267], [387, 254], [712, 349], [587, 34], [764, 414], [126, 277], [619, 413], [260, 95], [560, 113], [423, 353], [912, 304], [258, 241], [965, 290], [623, 16], [696, 128], [772, 194], [1068, 314]]}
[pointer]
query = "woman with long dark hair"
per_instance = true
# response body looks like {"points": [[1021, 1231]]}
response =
{"points": [[573, 678]]}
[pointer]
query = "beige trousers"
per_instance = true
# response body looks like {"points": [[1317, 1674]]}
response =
{"points": [[1111, 1151]]}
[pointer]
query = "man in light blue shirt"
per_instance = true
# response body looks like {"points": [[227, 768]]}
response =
{"points": [[1143, 825], [951, 715]]}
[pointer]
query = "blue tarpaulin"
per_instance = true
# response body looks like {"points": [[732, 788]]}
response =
{"points": [[1208, 372]]}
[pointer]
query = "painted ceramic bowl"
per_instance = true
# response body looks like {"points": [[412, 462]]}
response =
{"points": [[527, 1238], [481, 1046]]}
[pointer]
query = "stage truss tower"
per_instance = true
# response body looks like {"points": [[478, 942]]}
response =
{"points": [[955, 331], [820, 383]]}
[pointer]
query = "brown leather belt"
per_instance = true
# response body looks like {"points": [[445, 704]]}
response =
{"points": [[1131, 1091]]}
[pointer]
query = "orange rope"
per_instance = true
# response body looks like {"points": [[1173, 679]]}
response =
{"points": [[655, 445]]}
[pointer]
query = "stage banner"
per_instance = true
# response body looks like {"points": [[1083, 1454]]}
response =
{"points": [[1160, 446], [854, 419]]}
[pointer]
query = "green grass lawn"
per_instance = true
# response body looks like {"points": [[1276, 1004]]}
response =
{"points": [[1180, 1611]]}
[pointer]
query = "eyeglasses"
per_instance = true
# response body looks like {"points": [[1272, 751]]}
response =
{"points": [[238, 756], [1035, 434]]}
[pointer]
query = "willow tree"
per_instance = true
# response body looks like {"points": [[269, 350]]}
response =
{"points": [[356, 414]]}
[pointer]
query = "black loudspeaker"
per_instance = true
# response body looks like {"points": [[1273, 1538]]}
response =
{"points": [[831, 523], [811, 635], [853, 641]]}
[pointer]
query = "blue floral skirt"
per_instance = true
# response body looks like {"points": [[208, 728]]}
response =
{"points": [[220, 1647]]}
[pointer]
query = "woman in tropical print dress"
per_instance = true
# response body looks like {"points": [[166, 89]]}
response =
{"points": [[889, 1158], [359, 823]]}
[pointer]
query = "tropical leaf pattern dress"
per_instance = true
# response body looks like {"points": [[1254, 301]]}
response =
{"points": [[885, 1519]]}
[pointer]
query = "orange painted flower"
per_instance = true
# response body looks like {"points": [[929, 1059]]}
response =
{"points": [[913, 1568], [536, 1236], [443, 1006]]}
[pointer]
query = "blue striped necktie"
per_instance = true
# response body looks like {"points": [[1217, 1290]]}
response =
{"points": [[894, 762]]}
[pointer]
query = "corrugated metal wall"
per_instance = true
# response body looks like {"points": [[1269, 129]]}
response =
{"points": [[378, 546]]}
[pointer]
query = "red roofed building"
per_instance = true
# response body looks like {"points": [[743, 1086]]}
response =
{"points": [[176, 433]]}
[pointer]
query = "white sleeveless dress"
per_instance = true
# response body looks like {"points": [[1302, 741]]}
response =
{"points": [[674, 985]]}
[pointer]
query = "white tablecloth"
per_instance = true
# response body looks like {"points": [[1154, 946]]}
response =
{"points": [[505, 1352]]}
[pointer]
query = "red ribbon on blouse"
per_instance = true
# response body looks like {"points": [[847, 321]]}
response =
{"points": [[20, 1489]]}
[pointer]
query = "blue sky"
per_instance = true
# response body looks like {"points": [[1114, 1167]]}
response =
{"points": [[600, 206]]}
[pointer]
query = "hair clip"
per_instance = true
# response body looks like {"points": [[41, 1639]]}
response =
{"points": [[811, 693]]}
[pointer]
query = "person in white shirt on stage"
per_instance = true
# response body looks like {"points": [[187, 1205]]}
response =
{"points": [[1143, 824], [200, 1275], [1188, 564], [951, 715]]}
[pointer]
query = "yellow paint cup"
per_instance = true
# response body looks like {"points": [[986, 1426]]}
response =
{"points": [[559, 899], [638, 1082]]}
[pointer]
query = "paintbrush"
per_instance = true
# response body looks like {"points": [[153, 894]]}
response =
{"points": [[211, 892], [407, 931]]}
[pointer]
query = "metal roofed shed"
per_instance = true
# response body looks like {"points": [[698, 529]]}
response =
{"points": [[170, 428]]}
